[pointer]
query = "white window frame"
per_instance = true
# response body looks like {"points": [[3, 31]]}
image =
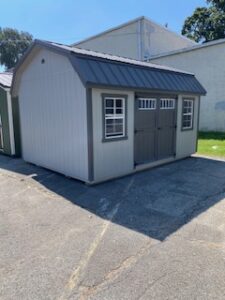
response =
{"points": [[114, 116], [1, 134], [144, 102], [191, 113], [166, 102]]}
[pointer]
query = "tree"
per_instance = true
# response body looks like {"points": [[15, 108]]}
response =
{"points": [[13, 45], [206, 23]]}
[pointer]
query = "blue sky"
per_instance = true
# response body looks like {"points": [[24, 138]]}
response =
{"points": [[68, 21]]}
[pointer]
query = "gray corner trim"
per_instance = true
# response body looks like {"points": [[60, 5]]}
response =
{"points": [[193, 99], [198, 121], [104, 140], [90, 135]]}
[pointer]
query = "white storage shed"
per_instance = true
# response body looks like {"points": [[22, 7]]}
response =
{"points": [[94, 117]]}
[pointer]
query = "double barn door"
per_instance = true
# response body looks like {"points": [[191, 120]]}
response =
{"points": [[155, 128]]}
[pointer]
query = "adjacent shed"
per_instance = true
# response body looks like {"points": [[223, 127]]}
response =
{"points": [[7, 143], [94, 116]]}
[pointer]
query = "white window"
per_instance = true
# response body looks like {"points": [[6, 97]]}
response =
{"points": [[167, 103], [146, 103], [188, 110], [114, 114], [1, 134]]}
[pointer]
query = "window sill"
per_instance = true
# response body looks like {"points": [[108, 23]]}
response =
{"points": [[104, 140], [186, 129]]}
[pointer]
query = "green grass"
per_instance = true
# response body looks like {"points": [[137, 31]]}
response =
{"points": [[211, 144]]}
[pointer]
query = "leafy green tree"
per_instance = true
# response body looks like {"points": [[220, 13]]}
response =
{"points": [[13, 44], [206, 23]]}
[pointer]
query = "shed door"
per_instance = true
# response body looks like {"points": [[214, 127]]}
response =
{"points": [[155, 129], [166, 127], [145, 130]]}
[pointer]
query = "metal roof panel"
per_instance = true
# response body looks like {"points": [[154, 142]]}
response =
{"points": [[6, 79]]}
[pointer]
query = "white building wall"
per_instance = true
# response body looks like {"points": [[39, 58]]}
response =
{"points": [[158, 39], [208, 64], [138, 40], [53, 119], [114, 158], [122, 41]]}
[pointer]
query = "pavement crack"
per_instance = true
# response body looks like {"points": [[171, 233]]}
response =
{"points": [[77, 273], [76, 276], [150, 285], [87, 291]]}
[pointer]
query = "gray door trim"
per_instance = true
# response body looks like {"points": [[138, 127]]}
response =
{"points": [[90, 135]]}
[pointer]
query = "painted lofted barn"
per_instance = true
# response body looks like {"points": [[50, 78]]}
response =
{"points": [[94, 116]]}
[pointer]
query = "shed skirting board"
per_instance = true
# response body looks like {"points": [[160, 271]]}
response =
{"points": [[52, 169], [140, 168]]}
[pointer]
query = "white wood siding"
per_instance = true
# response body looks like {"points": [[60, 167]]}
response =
{"points": [[114, 158], [208, 64], [52, 104]]}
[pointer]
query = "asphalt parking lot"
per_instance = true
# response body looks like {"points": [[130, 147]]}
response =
{"points": [[158, 234]]}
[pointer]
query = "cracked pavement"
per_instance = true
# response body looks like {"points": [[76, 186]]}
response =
{"points": [[158, 234]]}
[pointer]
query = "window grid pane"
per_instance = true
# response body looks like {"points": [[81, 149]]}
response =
{"points": [[167, 103], [114, 117], [146, 103], [187, 120]]}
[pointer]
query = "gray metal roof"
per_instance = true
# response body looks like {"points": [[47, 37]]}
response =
{"points": [[100, 72], [104, 70], [6, 79]]}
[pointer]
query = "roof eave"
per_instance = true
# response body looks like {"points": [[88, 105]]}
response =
{"points": [[107, 86]]}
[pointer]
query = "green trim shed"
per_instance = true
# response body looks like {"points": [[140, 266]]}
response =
{"points": [[7, 141]]}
